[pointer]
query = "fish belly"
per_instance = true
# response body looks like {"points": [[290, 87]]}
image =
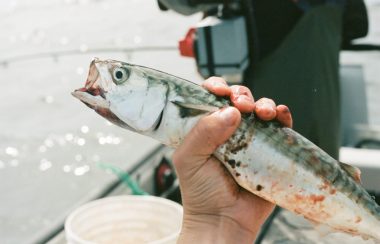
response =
{"points": [[265, 171]]}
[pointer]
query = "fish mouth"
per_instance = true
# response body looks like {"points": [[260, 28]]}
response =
{"points": [[92, 94], [95, 102]]}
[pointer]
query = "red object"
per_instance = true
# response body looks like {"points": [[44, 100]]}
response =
{"points": [[186, 45]]}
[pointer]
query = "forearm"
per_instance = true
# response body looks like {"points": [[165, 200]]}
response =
{"points": [[215, 229]]}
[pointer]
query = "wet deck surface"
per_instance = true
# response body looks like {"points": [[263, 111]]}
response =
{"points": [[50, 144]]}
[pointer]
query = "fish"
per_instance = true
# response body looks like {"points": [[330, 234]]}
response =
{"points": [[264, 157]]}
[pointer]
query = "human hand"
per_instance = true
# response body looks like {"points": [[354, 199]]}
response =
{"points": [[216, 208]]}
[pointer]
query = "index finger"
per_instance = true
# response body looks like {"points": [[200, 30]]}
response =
{"points": [[240, 96], [217, 86]]}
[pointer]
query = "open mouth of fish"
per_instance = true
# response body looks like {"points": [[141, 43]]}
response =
{"points": [[94, 96], [98, 94]]}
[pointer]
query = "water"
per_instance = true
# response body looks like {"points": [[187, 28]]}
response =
{"points": [[50, 144]]}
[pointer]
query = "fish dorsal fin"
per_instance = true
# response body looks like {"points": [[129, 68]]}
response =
{"points": [[190, 109], [352, 171]]}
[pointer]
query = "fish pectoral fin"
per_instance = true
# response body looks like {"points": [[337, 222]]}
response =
{"points": [[189, 109], [352, 171], [205, 108]]}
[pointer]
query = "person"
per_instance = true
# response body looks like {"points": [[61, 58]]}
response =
{"points": [[216, 209], [295, 61], [296, 48], [299, 64]]}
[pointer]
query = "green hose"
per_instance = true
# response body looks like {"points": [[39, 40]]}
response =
{"points": [[124, 177]]}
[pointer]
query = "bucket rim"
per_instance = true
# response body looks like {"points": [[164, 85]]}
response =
{"points": [[70, 234]]}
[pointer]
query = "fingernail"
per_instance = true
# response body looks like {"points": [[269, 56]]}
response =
{"points": [[285, 110], [244, 99], [228, 116], [238, 90], [218, 84]]}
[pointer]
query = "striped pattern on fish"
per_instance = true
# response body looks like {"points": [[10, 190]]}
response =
{"points": [[292, 172], [269, 160]]}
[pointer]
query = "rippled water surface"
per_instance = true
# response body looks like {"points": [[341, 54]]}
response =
{"points": [[50, 143]]}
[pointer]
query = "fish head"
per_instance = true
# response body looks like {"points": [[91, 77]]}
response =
{"points": [[124, 94]]}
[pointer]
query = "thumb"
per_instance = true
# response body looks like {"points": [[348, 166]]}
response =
{"points": [[206, 136]]}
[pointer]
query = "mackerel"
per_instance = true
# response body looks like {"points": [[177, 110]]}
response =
{"points": [[269, 160]]}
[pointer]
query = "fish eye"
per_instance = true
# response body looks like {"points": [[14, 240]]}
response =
{"points": [[120, 75]]}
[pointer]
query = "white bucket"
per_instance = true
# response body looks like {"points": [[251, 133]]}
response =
{"points": [[125, 219]]}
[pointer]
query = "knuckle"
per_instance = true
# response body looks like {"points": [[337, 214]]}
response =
{"points": [[204, 127], [241, 90], [207, 130]]}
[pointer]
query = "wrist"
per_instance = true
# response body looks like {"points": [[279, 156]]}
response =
{"points": [[213, 229]]}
